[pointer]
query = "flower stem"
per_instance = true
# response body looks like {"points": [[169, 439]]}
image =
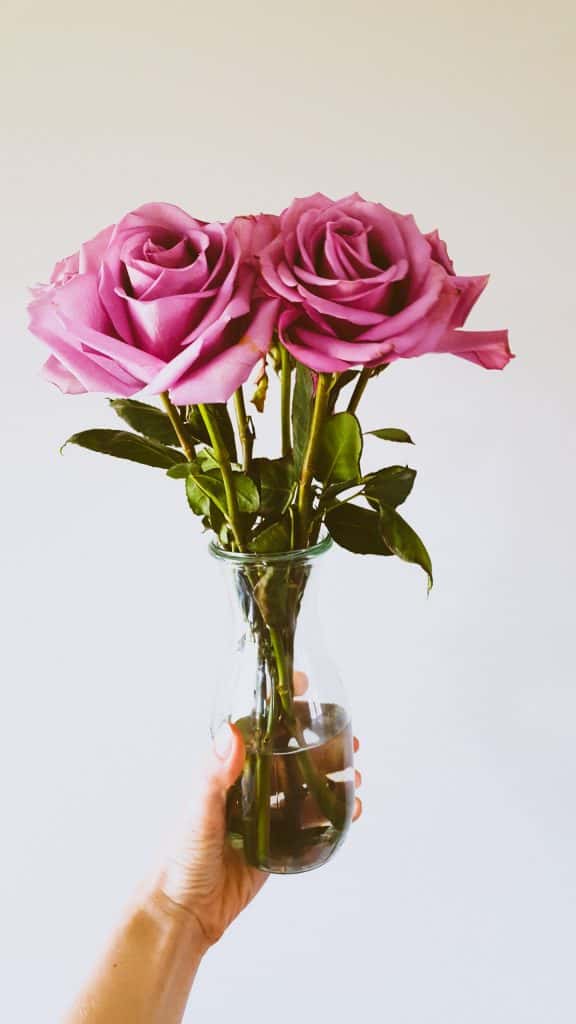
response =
{"points": [[285, 382], [262, 786], [223, 460], [303, 506], [245, 434], [359, 389], [284, 661], [175, 420]]}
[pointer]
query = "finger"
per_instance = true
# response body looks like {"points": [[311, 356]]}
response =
{"points": [[357, 779], [227, 757], [300, 683], [357, 809], [224, 766], [356, 744]]}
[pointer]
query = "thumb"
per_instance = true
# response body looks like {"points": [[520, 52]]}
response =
{"points": [[223, 768], [227, 756]]}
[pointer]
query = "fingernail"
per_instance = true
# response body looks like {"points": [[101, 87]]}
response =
{"points": [[223, 741]]}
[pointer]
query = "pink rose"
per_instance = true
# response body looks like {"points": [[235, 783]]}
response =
{"points": [[158, 302], [361, 285]]}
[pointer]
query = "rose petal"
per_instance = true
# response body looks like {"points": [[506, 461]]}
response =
{"points": [[352, 352], [143, 365], [269, 260], [490, 349], [357, 311], [218, 378], [470, 289], [417, 251], [391, 326], [87, 370], [315, 359], [56, 373], [162, 325], [255, 232], [439, 251]]}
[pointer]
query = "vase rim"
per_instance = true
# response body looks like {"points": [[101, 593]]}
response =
{"points": [[273, 557]]}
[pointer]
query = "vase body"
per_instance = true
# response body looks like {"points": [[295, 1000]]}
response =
{"points": [[291, 807]]}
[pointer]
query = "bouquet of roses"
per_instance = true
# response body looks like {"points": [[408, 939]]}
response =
{"points": [[325, 296]]}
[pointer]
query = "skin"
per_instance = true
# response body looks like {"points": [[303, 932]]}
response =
{"points": [[150, 964]]}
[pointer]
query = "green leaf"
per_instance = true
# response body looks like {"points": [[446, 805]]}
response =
{"points": [[339, 449], [198, 501], [203, 463], [206, 459], [276, 479], [217, 520], [391, 434], [246, 493], [404, 541], [357, 529], [212, 486], [147, 420], [390, 486], [123, 445], [301, 413], [273, 538], [181, 470]]}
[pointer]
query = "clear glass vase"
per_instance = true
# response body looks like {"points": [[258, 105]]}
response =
{"points": [[293, 803]]}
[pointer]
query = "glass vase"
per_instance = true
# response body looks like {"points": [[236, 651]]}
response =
{"points": [[292, 805]]}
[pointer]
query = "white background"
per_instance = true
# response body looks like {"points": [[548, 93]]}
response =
{"points": [[454, 899]]}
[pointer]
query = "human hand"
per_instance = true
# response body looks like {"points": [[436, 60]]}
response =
{"points": [[203, 874]]}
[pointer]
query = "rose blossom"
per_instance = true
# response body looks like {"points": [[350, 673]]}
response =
{"points": [[361, 285], [160, 302]]}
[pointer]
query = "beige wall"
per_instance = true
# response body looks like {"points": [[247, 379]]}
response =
{"points": [[454, 901]]}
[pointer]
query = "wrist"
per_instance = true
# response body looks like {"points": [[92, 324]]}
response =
{"points": [[174, 921]]}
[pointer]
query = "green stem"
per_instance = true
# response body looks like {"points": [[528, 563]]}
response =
{"points": [[285, 383], [318, 786], [223, 460], [304, 498], [359, 389], [284, 671], [245, 434], [175, 420], [262, 785]]}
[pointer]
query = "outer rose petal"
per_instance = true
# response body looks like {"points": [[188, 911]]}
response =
{"points": [[471, 289], [86, 260], [489, 349], [74, 314], [439, 251], [88, 371], [57, 374], [255, 232]]}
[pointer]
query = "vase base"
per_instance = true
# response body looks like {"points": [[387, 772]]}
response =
{"points": [[291, 808], [320, 854]]}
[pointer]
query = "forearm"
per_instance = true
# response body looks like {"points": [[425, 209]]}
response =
{"points": [[147, 971]]}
